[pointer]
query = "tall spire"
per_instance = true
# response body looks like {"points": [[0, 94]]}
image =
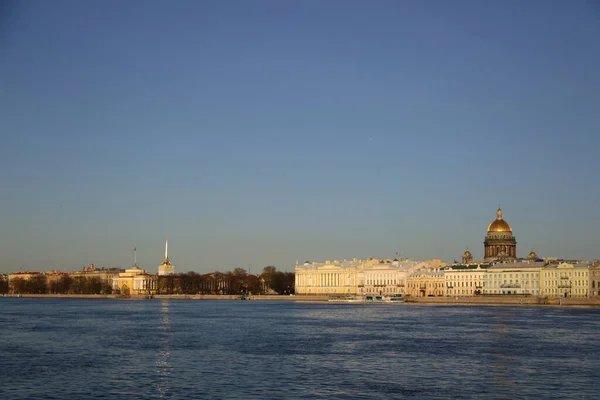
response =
{"points": [[166, 252]]}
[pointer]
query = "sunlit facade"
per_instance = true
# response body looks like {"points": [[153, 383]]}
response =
{"points": [[355, 277], [135, 281], [513, 278], [565, 280], [330, 277], [426, 282], [464, 280]]}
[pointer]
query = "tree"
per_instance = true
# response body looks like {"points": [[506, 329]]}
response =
{"points": [[283, 282], [3, 284], [78, 285], [239, 272], [267, 274], [166, 284], [37, 284], [18, 285], [253, 284]]}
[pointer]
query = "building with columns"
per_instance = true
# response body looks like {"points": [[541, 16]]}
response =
{"points": [[387, 277], [337, 277], [356, 277], [135, 281], [499, 244]]}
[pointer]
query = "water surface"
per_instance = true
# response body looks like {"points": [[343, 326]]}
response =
{"points": [[151, 349]]}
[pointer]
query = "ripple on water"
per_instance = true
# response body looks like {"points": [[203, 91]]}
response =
{"points": [[225, 349]]}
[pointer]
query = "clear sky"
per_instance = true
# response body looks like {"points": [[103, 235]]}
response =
{"points": [[264, 132]]}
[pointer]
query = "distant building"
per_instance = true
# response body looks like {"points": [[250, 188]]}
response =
{"points": [[500, 244], [166, 268], [465, 280], [594, 284], [426, 282], [135, 281], [387, 277], [521, 277], [467, 257], [565, 280], [21, 276], [337, 277]]}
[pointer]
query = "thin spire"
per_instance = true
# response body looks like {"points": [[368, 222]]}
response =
{"points": [[166, 261], [134, 255]]}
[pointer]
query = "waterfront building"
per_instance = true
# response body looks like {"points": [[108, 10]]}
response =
{"points": [[98, 275], [15, 279], [565, 279], [337, 277], [465, 280], [355, 277], [594, 273], [520, 277], [426, 282], [500, 244], [166, 268], [135, 281], [387, 277], [101, 273]]}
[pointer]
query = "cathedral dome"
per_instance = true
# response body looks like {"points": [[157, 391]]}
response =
{"points": [[499, 225]]}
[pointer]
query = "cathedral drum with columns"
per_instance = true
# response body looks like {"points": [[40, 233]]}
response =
{"points": [[500, 244]]}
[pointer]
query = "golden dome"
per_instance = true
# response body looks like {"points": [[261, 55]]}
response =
{"points": [[499, 225]]}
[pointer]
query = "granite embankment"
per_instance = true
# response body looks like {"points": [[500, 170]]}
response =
{"points": [[476, 300], [174, 297], [506, 300]]}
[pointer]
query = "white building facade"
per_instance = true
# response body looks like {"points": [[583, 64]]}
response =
{"points": [[464, 280], [565, 280], [513, 278]]}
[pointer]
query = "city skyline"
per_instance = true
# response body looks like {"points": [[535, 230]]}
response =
{"points": [[261, 133]]}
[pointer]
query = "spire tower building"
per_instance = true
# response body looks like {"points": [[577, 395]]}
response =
{"points": [[166, 268]]}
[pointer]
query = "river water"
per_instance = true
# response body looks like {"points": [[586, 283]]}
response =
{"points": [[150, 349]]}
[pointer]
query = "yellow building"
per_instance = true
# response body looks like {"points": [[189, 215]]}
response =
{"points": [[357, 277], [135, 281], [565, 280], [15, 280], [426, 282], [337, 277], [594, 278]]}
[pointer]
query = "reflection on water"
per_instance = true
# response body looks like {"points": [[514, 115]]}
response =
{"points": [[163, 359], [88, 349]]}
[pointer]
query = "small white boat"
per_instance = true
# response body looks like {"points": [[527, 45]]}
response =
{"points": [[350, 299]]}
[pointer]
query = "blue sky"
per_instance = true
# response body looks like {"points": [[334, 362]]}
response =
{"points": [[257, 133]]}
